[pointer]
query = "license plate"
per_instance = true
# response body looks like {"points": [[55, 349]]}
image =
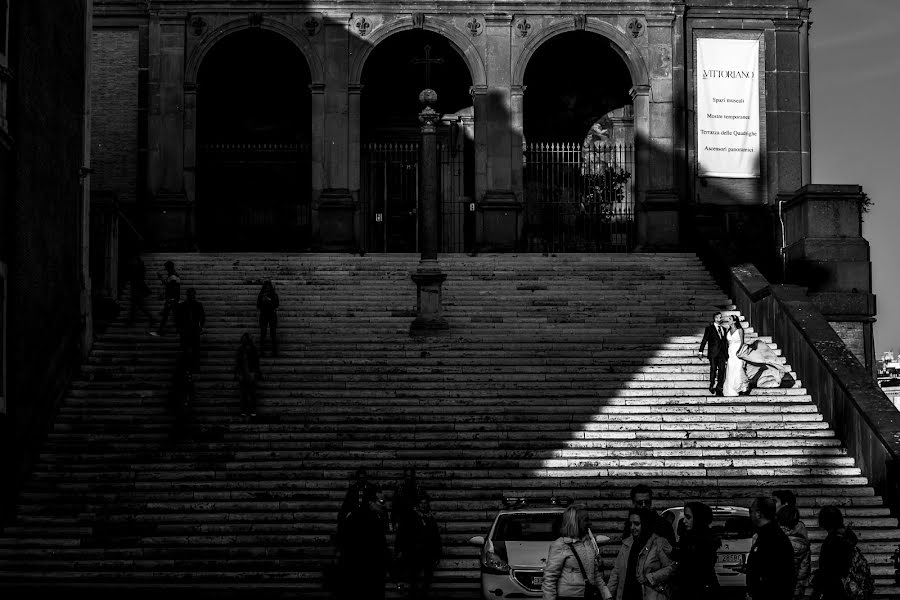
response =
{"points": [[730, 558], [537, 581]]}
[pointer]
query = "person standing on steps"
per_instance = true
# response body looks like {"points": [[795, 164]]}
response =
{"points": [[267, 304], [356, 492], [247, 374], [362, 544], [171, 294], [138, 291], [735, 377], [417, 548], [405, 497], [190, 318], [714, 340]]}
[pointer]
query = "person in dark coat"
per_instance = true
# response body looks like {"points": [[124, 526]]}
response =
{"points": [[417, 548], [266, 304], [770, 567], [138, 290], [356, 492], [406, 497], [696, 554], [247, 373], [714, 336], [171, 294], [190, 319], [835, 556], [362, 543]]}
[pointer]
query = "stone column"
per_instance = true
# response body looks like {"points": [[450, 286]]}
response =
{"points": [[826, 253], [316, 153], [517, 116], [499, 206], [785, 84], [428, 276], [336, 206], [660, 209], [169, 215], [805, 126]]}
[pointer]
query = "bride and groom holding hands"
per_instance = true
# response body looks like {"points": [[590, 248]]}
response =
{"points": [[734, 366]]}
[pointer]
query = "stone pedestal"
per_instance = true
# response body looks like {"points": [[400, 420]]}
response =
{"points": [[430, 320], [428, 276], [499, 215], [335, 213], [826, 253]]}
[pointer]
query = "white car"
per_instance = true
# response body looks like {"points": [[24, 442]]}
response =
{"points": [[734, 528], [515, 549]]}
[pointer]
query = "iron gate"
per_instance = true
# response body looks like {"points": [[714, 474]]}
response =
{"points": [[579, 198], [390, 198], [254, 196]]}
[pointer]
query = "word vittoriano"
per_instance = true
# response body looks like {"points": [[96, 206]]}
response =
{"points": [[720, 74]]}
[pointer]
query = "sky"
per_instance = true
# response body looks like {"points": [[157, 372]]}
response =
{"points": [[854, 56]]}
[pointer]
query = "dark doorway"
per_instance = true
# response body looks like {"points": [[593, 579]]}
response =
{"points": [[253, 130], [579, 150], [393, 77]]}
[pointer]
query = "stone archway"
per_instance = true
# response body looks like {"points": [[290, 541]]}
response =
{"points": [[252, 135], [389, 132], [578, 126]]}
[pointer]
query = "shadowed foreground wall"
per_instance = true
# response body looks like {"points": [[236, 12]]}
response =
{"points": [[42, 207]]}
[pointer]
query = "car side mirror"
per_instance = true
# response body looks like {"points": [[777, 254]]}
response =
{"points": [[478, 540]]}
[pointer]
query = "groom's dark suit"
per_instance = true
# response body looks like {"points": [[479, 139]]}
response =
{"points": [[718, 353]]}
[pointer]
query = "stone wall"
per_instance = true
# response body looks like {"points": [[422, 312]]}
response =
{"points": [[43, 228], [844, 391], [114, 104]]}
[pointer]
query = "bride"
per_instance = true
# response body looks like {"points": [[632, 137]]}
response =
{"points": [[735, 377]]}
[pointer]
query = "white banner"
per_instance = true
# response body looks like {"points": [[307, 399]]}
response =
{"points": [[728, 108]]}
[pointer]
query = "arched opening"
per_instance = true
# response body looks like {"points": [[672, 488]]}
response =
{"points": [[253, 138], [394, 74], [578, 124]]}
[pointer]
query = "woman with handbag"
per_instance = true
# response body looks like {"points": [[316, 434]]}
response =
{"points": [[644, 565], [571, 570]]}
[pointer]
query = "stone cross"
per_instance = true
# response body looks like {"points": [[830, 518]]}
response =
{"points": [[427, 61]]}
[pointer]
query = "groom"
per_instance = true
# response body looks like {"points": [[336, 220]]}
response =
{"points": [[714, 335]]}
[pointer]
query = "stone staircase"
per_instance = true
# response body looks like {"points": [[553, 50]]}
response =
{"points": [[572, 374]]}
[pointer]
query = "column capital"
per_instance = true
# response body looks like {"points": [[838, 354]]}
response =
{"points": [[518, 90], [660, 20], [478, 90], [639, 90], [791, 24], [498, 19], [317, 88]]}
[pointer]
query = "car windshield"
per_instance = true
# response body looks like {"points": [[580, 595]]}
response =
{"points": [[732, 527], [528, 527]]}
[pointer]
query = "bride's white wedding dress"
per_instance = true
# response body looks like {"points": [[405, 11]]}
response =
{"points": [[735, 377]]}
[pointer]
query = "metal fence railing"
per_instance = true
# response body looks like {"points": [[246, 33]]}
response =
{"points": [[579, 198]]}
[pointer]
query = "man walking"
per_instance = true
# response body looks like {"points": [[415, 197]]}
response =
{"points": [[714, 335]]}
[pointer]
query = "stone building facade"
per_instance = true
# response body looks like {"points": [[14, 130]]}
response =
{"points": [[149, 100], [187, 95]]}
